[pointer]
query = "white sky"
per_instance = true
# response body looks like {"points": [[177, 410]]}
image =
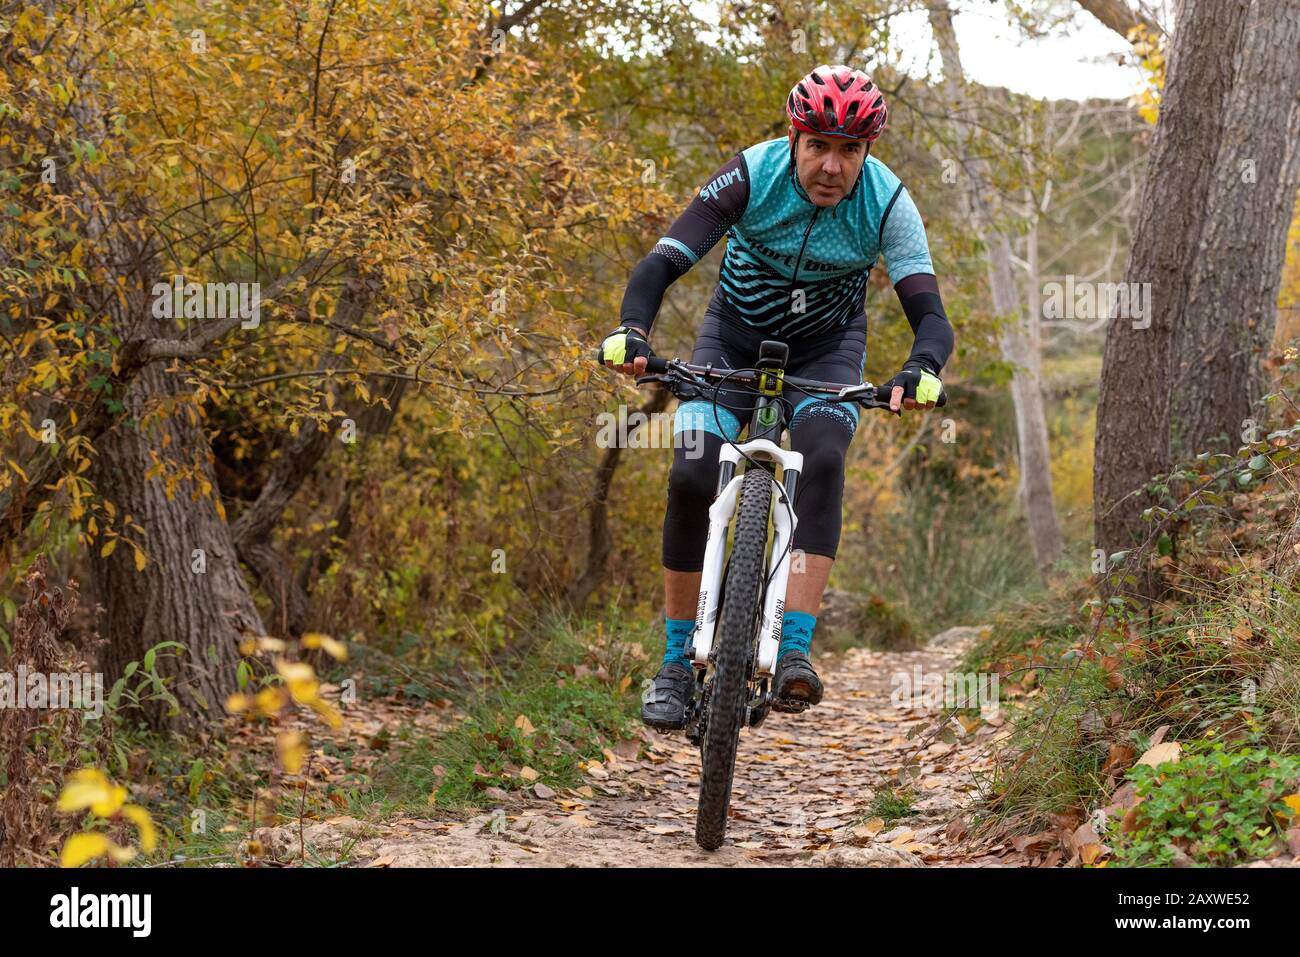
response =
{"points": [[1080, 63], [1079, 60]]}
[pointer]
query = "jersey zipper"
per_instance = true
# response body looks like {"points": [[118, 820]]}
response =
{"points": [[799, 259]]}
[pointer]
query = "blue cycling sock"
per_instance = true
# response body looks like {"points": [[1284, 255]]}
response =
{"points": [[796, 632], [678, 630]]}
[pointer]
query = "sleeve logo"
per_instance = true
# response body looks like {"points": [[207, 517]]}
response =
{"points": [[711, 190]]}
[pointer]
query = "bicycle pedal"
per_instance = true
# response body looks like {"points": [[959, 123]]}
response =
{"points": [[790, 705]]}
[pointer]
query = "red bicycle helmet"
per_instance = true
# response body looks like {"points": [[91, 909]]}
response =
{"points": [[837, 101]]}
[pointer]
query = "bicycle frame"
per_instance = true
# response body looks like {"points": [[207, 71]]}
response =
{"points": [[766, 430], [736, 665]]}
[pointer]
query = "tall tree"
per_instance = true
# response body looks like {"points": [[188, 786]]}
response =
{"points": [[1133, 412], [1019, 341], [293, 156], [1226, 329]]}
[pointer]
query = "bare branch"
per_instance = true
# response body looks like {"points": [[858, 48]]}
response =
{"points": [[1120, 17]]}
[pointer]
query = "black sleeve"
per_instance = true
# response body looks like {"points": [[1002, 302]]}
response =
{"points": [[716, 208], [919, 294]]}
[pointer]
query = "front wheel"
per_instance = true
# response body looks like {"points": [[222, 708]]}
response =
{"points": [[742, 594]]}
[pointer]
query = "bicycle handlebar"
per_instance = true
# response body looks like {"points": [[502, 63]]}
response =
{"points": [[865, 394]]}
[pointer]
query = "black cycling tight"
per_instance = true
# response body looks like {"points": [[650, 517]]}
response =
{"points": [[821, 431]]}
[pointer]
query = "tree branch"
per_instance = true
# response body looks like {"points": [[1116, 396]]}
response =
{"points": [[1120, 17]]}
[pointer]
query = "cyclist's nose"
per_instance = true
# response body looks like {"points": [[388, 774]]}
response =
{"points": [[831, 167]]}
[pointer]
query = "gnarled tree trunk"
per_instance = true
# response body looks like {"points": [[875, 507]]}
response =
{"points": [[1227, 327], [1134, 405], [191, 589]]}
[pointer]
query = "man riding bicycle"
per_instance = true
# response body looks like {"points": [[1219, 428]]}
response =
{"points": [[806, 217]]}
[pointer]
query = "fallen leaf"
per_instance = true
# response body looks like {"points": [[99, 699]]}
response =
{"points": [[1067, 820], [1131, 822], [1161, 754], [1120, 757], [1084, 834], [869, 829], [1293, 841], [1042, 840], [1088, 853], [628, 749]]}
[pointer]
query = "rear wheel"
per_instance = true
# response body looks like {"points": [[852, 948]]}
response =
{"points": [[736, 627]]}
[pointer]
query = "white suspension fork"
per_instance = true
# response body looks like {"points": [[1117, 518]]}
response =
{"points": [[721, 513], [784, 522]]}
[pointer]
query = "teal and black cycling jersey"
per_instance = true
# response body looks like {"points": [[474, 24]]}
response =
{"points": [[794, 270]]}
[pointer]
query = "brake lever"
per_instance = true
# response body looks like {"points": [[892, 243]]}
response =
{"points": [[679, 387], [864, 395], [857, 391], [878, 404]]}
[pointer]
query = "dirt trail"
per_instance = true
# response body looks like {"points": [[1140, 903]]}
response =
{"points": [[803, 794]]}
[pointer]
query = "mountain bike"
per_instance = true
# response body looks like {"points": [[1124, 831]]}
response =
{"points": [[734, 652]]}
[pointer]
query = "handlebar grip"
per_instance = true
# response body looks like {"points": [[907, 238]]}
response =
{"points": [[654, 365], [882, 398]]}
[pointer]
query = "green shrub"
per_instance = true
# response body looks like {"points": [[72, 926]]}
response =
{"points": [[890, 805], [1219, 806], [576, 691]]}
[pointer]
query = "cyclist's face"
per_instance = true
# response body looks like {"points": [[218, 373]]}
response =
{"points": [[828, 166]]}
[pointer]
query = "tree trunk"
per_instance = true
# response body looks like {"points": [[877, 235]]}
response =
{"points": [[1019, 342], [207, 611], [1019, 348], [166, 600], [600, 542], [1227, 327], [1133, 407]]}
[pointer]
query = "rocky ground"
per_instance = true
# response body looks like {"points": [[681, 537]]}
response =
{"points": [[809, 790]]}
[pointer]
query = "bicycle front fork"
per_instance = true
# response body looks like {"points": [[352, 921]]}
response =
{"points": [[784, 522]]}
